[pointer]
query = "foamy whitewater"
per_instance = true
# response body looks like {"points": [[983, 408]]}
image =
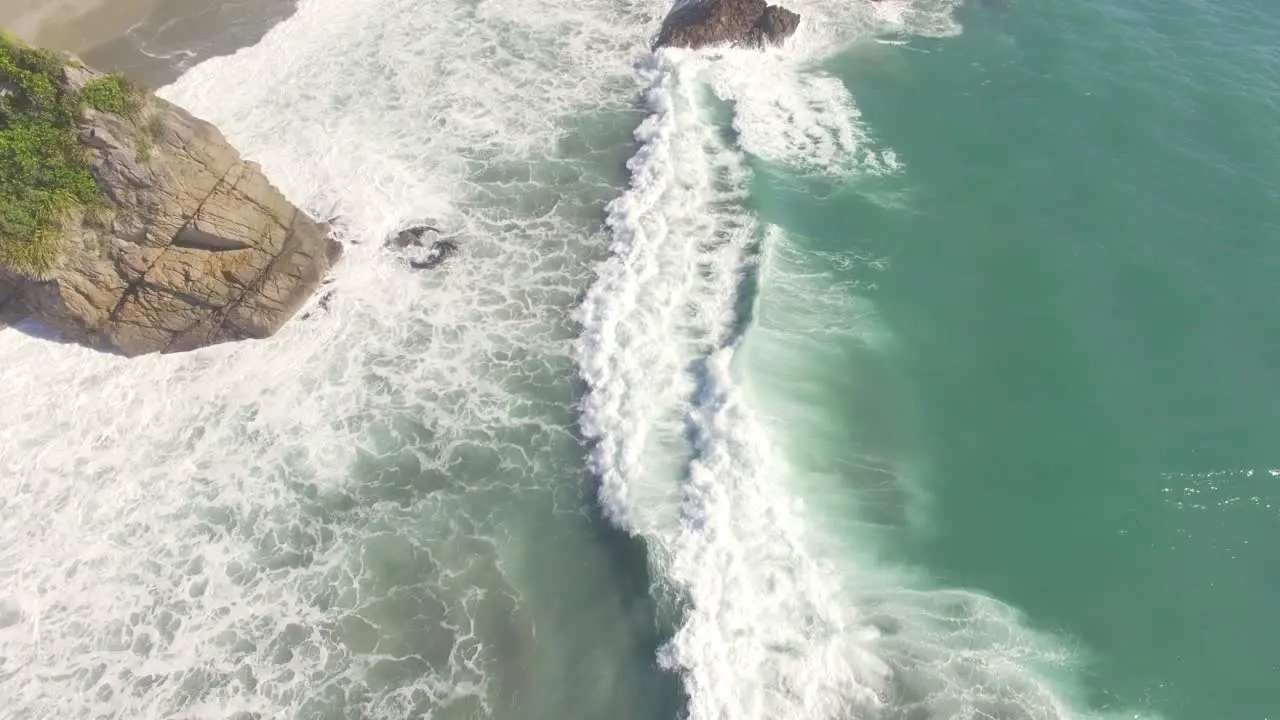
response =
{"points": [[329, 523]]}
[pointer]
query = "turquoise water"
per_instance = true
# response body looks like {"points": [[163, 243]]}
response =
{"points": [[910, 373], [1078, 271]]}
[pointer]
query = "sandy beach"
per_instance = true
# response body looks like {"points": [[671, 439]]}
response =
{"points": [[152, 41]]}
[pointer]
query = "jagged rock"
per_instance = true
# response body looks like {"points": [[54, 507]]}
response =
{"points": [[196, 248], [742, 23]]}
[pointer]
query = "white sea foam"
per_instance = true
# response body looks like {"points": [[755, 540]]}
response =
{"points": [[787, 115], [665, 294], [828, 26], [759, 638], [787, 110]]}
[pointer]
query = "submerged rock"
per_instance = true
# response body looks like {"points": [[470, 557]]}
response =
{"points": [[740, 23], [321, 308], [411, 236], [441, 250], [437, 250]]}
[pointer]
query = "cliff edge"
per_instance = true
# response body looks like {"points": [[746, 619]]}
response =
{"points": [[128, 224]]}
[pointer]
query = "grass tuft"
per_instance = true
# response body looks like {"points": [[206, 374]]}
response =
{"points": [[44, 169], [155, 125], [113, 93], [142, 148]]}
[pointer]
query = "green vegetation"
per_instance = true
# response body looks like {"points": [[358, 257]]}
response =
{"points": [[113, 93], [44, 171], [152, 131], [155, 125], [142, 148]]}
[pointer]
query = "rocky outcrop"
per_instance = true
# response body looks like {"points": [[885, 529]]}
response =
{"points": [[412, 236], [740, 23], [195, 246], [439, 251], [429, 255]]}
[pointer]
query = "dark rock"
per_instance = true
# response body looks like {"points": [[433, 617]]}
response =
{"points": [[740, 23], [11, 306], [441, 250], [411, 236], [321, 307], [777, 24], [425, 252]]}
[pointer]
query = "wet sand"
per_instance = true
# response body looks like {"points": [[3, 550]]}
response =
{"points": [[152, 41]]}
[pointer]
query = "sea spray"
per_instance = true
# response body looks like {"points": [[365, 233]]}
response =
{"points": [[654, 351], [767, 635], [670, 251]]}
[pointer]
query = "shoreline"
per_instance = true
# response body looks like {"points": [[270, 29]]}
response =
{"points": [[152, 41]]}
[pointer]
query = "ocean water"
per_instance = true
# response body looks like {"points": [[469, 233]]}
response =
{"points": [[915, 371], [177, 35]]}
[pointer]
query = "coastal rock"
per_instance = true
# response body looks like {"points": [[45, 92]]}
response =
{"points": [[741, 23], [411, 236], [196, 246], [440, 251], [415, 236]]}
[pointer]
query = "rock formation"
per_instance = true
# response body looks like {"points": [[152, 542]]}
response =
{"points": [[194, 246], [741, 23], [413, 238], [440, 251]]}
